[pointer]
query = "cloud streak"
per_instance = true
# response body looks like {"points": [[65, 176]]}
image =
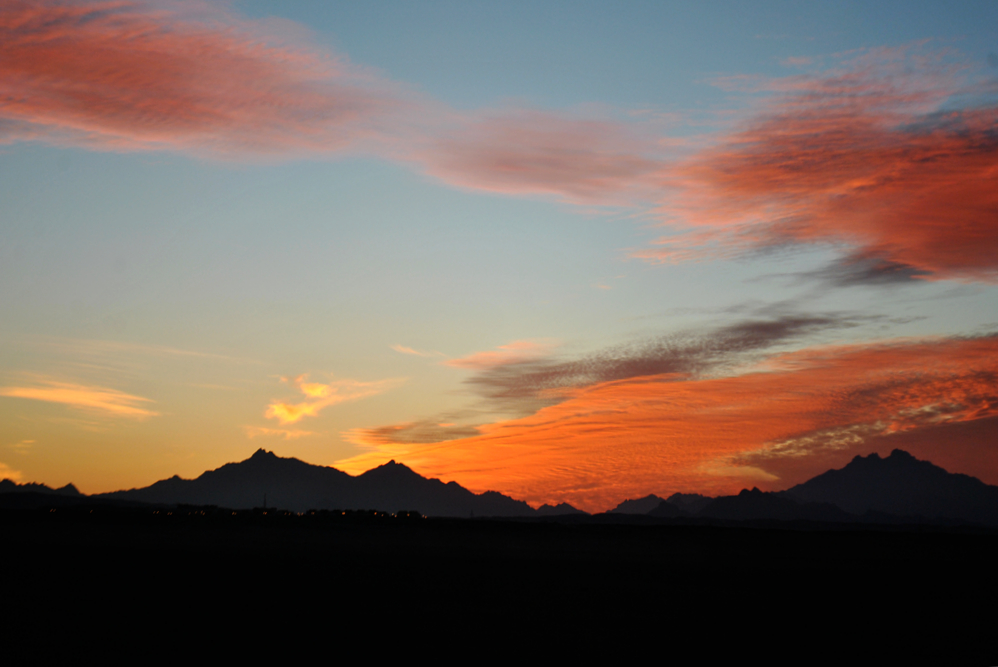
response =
{"points": [[894, 158], [402, 349], [130, 76], [531, 153], [109, 401], [198, 79], [516, 352]]}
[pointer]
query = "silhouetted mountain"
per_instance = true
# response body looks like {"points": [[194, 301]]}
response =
{"points": [[295, 485], [757, 505], [667, 510], [637, 506], [689, 502], [9, 486], [902, 485], [561, 509]]}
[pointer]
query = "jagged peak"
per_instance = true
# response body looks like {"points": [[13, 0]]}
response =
{"points": [[261, 454]]}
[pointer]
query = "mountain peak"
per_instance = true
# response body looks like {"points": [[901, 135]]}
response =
{"points": [[902, 485], [263, 455]]}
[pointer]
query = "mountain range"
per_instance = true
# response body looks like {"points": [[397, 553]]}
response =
{"points": [[869, 489], [291, 484]]}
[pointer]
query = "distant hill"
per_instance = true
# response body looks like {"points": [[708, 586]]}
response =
{"points": [[637, 506], [901, 485], [689, 502], [757, 505], [298, 486], [561, 509], [9, 486], [668, 510]]}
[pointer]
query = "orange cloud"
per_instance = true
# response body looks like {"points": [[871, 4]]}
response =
{"points": [[324, 396], [131, 76], [111, 401], [674, 432], [869, 158]]}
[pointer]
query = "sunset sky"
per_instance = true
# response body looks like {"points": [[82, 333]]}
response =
{"points": [[570, 251]]}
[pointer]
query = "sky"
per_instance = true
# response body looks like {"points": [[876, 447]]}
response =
{"points": [[569, 251]]}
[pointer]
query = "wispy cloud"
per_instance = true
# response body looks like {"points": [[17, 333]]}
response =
{"points": [[175, 76], [586, 161], [893, 157], [320, 396], [109, 401], [418, 353], [201, 79], [22, 447], [662, 433], [515, 352], [424, 431], [283, 433]]}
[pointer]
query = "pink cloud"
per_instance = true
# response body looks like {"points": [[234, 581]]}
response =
{"points": [[128, 76], [131, 76], [867, 158], [539, 153], [512, 353]]}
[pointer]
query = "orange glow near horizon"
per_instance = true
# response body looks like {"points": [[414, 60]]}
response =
{"points": [[661, 434]]}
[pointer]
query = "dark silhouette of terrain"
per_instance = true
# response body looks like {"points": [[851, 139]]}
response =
{"points": [[896, 489], [298, 486], [561, 509], [902, 485], [10, 486], [869, 490], [755, 505], [637, 506], [668, 510], [689, 502]]}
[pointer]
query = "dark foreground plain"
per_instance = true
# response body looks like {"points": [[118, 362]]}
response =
{"points": [[897, 590]]}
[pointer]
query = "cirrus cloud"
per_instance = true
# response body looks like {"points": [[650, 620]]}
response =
{"points": [[101, 399], [894, 157], [128, 75]]}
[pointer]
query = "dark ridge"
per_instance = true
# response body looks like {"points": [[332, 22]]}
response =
{"points": [[902, 485], [689, 502], [638, 505], [756, 505], [667, 510], [9, 486], [561, 509], [294, 485]]}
